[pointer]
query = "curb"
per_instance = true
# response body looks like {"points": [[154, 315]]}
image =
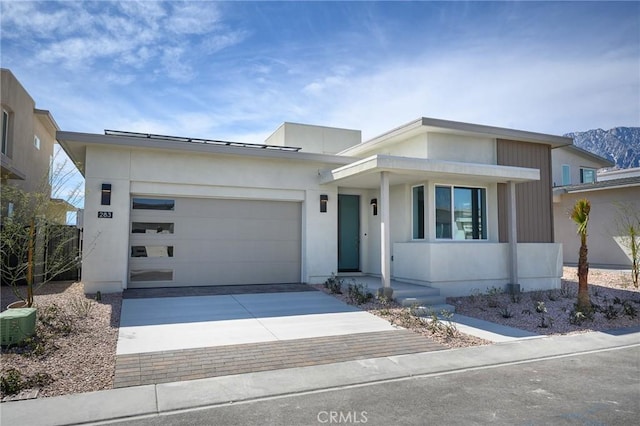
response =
{"points": [[169, 397]]}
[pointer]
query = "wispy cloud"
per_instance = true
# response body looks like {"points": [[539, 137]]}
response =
{"points": [[82, 36], [234, 70]]}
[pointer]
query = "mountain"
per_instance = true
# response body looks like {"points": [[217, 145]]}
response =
{"points": [[620, 145]]}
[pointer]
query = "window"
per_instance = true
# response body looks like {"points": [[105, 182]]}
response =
{"points": [[151, 251], [418, 212], [153, 204], [36, 142], [461, 213], [443, 212], [587, 175], [151, 228], [566, 174], [5, 132]]}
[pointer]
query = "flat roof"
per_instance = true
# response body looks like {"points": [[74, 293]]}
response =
{"points": [[75, 145], [600, 185], [365, 173], [434, 125]]}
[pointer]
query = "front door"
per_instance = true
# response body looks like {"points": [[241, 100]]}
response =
{"points": [[348, 233]]}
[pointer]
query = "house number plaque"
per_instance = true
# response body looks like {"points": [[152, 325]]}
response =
{"points": [[105, 215]]}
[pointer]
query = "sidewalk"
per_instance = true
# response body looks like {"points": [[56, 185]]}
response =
{"points": [[167, 397]]}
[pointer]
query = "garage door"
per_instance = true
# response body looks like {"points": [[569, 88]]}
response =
{"points": [[197, 242]]}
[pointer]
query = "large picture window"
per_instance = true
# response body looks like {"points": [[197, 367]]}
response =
{"points": [[461, 213], [418, 212]]}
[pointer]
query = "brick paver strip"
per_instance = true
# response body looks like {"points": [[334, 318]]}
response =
{"points": [[190, 364]]}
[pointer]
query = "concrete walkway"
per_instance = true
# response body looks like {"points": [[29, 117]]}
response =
{"points": [[170, 397]]}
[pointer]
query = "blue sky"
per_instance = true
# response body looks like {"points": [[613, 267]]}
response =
{"points": [[236, 70]]}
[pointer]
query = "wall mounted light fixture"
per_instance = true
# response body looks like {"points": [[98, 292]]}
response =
{"points": [[324, 198], [374, 205], [106, 194]]}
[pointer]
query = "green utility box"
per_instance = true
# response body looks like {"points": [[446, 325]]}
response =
{"points": [[16, 325]]}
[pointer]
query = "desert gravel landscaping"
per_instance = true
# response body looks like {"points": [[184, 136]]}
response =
{"points": [[75, 346]]}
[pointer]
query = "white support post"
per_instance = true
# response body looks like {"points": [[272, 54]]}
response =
{"points": [[385, 243], [513, 237]]}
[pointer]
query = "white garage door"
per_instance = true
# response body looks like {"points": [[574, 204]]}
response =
{"points": [[197, 242]]}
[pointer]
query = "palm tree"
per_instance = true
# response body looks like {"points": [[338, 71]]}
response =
{"points": [[580, 216]]}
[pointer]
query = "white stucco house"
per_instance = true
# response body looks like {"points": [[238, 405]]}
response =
{"points": [[444, 204]]}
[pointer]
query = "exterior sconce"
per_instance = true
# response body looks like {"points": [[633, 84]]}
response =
{"points": [[374, 205], [323, 203], [106, 194]]}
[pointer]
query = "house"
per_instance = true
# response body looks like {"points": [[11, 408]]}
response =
{"points": [[28, 137], [445, 204], [611, 194]]}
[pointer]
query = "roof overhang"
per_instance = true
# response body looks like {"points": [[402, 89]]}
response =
{"points": [[630, 182], [431, 125], [47, 120], [365, 173], [602, 162], [75, 145]]}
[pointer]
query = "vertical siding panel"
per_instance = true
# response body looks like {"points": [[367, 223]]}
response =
{"points": [[534, 199]]}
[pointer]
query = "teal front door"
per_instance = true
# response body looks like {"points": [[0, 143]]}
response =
{"points": [[348, 233]]}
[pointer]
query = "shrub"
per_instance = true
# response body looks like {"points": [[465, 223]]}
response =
{"points": [[359, 293], [629, 310], [610, 312], [540, 307], [545, 322], [436, 326], [81, 306], [506, 313], [333, 284], [577, 317], [11, 382]]}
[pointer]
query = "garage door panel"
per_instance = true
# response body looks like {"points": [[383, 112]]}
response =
{"points": [[238, 272], [230, 251], [237, 229], [221, 242]]}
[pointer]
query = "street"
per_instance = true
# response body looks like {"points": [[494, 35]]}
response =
{"points": [[600, 388]]}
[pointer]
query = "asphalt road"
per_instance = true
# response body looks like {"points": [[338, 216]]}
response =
{"points": [[600, 388]]}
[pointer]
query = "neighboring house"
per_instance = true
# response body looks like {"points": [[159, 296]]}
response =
{"points": [[28, 137], [433, 202], [573, 165], [608, 192]]}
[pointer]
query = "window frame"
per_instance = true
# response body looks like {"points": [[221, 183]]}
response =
{"points": [[36, 142], [566, 167], [6, 124], [169, 200], [590, 169], [485, 217], [413, 218]]}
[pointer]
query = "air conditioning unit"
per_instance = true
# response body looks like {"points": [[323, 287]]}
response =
{"points": [[16, 325]]}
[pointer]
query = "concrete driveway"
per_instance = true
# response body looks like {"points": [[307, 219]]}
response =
{"points": [[175, 323]]}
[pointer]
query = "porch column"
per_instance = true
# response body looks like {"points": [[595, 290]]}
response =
{"points": [[385, 242], [513, 286]]}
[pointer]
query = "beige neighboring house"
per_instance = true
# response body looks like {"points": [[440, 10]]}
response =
{"points": [[576, 176], [28, 137]]}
